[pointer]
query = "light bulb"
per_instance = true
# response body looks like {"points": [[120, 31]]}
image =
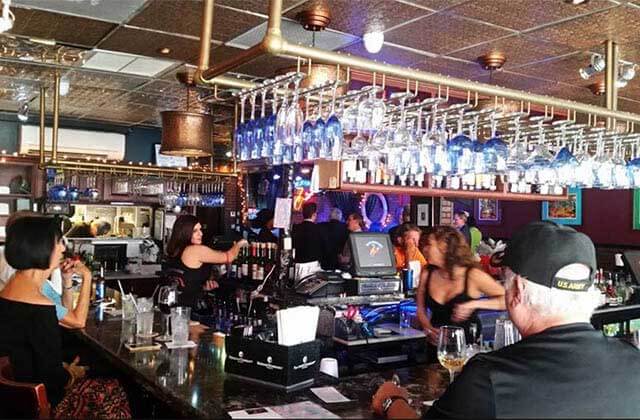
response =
{"points": [[373, 41], [620, 82], [587, 72], [23, 112], [598, 62], [628, 72], [64, 86]]}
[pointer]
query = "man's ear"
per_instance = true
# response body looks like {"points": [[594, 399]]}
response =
{"points": [[517, 291]]}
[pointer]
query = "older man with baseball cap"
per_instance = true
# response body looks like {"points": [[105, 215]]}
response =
{"points": [[563, 367]]}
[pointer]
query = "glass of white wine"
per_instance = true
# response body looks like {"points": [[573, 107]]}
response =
{"points": [[452, 349]]}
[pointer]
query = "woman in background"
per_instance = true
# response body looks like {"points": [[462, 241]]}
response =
{"points": [[454, 286], [460, 222], [186, 253]]}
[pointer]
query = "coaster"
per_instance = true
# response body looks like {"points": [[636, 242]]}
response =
{"points": [[188, 345]]}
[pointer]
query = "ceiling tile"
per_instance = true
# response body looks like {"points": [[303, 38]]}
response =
{"points": [[122, 112], [434, 4], [141, 42], [442, 33], [518, 50], [162, 87], [256, 6], [621, 24], [448, 67], [185, 16], [160, 102], [359, 16], [561, 69], [62, 28], [388, 54], [521, 14], [109, 10], [86, 97], [89, 79], [264, 66]]}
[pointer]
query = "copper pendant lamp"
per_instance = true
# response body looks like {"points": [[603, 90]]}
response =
{"points": [[186, 133]]}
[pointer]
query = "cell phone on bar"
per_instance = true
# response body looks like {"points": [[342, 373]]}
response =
{"points": [[142, 347]]}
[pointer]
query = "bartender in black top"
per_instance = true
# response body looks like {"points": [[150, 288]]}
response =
{"points": [[187, 255], [562, 367]]}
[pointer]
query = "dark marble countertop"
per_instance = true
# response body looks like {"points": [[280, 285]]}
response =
{"points": [[193, 382]]}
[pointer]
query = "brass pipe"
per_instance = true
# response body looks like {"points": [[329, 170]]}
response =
{"points": [[78, 165], [238, 60], [56, 117], [611, 75], [43, 105], [205, 34]]}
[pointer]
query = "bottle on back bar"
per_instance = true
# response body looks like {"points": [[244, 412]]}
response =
{"points": [[245, 264], [254, 262], [259, 262]]}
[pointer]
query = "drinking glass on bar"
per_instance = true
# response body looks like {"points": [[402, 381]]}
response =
{"points": [[452, 349], [180, 318]]}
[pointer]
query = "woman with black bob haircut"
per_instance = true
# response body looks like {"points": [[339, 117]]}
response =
{"points": [[29, 333], [186, 254]]}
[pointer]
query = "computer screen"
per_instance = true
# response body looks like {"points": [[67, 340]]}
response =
{"points": [[372, 254]]}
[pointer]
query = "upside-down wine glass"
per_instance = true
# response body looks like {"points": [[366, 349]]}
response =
{"points": [[319, 129], [295, 120], [250, 133], [331, 146], [239, 135], [281, 132], [260, 126]]}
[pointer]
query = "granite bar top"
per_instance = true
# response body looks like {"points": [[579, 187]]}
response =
{"points": [[193, 382]]}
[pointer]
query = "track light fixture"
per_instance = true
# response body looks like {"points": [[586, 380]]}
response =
{"points": [[598, 64], [7, 18], [23, 112]]}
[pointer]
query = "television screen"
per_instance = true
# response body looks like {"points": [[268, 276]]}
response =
{"points": [[372, 254]]}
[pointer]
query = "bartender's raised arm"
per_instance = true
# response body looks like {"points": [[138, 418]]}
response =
{"points": [[194, 255]]}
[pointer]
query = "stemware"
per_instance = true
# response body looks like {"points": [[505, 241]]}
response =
{"points": [[585, 173], [280, 132], [250, 131], [331, 146], [371, 111], [260, 127], [294, 122], [240, 130], [270, 126], [319, 129], [633, 166], [516, 160], [166, 300], [565, 164], [308, 138], [603, 163], [621, 179], [452, 349], [350, 114], [495, 151], [460, 147]]}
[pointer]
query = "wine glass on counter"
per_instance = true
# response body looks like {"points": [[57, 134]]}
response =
{"points": [[166, 301], [452, 349]]}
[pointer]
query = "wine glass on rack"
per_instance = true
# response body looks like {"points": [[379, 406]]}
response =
{"points": [[565, 163], [371, 111], [633, 166], [585, 171], [270, 126], [250, 132], [295, 120], [319, 129], [166, 300], [516, 158], [261, 125], [460, 147], [331, 146], [281, 132], [495, 151], [308, 137], [350, 114], [603, 164], [240, 130], [452, 349]]}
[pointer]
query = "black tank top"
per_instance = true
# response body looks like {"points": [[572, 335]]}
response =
{"points": [[193, 278], [441, 313]]}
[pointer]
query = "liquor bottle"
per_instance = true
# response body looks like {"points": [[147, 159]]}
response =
{"points": [[245, 264], [262, 256], [253, 262], [233, 269]]}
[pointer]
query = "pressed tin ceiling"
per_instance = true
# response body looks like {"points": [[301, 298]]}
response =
{"points": [[545, 42]]}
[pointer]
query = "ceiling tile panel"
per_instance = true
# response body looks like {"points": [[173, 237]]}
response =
{"points": [[442, 33], [85, 78], [448, 67], [524, 14], [518, 49], [621, 24], [122, 112], [184, 17], [63, 28], [162, 87], [110, 10], [562, 69], [434, 4], [256, 6], [141, 42], [359, 16], [264, 66], [388, 54]]}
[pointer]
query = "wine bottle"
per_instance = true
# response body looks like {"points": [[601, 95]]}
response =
{"points": [[245, 264]]}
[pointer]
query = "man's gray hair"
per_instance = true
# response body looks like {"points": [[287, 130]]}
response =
{"points": [[555, 303], [336, 214]]}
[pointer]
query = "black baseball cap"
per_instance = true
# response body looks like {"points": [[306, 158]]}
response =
{"points": [[540, 250]]}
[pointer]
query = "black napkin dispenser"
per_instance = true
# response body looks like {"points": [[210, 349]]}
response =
{"points": [[284, 367]]}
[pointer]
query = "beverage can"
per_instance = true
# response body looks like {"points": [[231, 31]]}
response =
{"points": [[407, 279]]}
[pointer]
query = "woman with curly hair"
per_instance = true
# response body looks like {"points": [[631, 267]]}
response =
{"points": [[454, 287]]}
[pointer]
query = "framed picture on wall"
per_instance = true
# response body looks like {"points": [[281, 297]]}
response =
{"points": [[564, 212], [423, 211], [487, 211], [636, 209]]}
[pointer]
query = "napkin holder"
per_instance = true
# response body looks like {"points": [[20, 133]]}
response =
{"points": [[287, 368]]}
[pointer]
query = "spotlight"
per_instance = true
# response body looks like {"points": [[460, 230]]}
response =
{"points": [[576, 2], [598, 64], [587, 72], [23, 112], [64, 86], [627, 71], [620, 82], [7, 18], [373, 41]]}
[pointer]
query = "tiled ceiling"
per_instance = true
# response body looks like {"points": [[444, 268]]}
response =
{"points": [[545, 42]]}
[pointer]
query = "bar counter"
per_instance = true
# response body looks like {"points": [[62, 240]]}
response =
{"points": [[193, 383]]}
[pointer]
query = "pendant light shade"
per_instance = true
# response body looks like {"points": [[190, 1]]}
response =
{"points": [[186, 134]]}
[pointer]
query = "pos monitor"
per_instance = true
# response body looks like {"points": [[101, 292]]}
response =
{"points": [[372, 254]]}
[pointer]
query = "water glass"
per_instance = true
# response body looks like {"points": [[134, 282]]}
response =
{"points": [[128, 309], [144, 324], [505, 334], [180, 318]]}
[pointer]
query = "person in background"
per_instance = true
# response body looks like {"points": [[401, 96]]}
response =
{"points": [[336, 233], [474, 234], [186, 254], [59, 287], [29, 333], [562, 367], [264, 221], [395, 232], [308, 240], [453, 286], [355, 223], [460, 222], [407, 249]]}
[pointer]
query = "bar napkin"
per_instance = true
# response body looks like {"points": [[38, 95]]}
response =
{"points": [[297, 325]]}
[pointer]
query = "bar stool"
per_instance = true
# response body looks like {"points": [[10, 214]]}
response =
{"points": [[21, 399]]}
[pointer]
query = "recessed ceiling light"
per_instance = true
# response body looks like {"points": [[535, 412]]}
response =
{"points": [[164, 50], [576, 2], [373, 41]]}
